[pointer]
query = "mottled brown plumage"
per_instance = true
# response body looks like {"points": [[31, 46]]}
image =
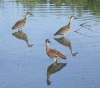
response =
{"points": [[21, 23], [54, 54], [64, 30]]}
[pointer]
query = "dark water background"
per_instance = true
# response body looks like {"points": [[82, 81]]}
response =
{"points": [[22, 66]]}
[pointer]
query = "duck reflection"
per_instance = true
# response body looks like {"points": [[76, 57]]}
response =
{"points": [[23, 36], [53, 68], [65, 42]]}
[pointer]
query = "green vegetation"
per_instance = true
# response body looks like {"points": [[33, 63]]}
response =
{"points": [[93, 5]]}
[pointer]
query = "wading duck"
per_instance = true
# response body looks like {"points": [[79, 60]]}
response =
{"points": [[21, 23], [54, 54], [64, 30]]}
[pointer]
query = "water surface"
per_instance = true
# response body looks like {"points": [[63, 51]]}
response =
{"points": [[23, 60]]}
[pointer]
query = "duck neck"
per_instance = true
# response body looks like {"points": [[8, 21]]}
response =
{"points": [[70, 21], [26, 17], [69, 25], [47, 46]]}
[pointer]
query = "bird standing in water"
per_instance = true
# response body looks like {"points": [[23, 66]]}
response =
{"points": [[21, 23], [54, 54], [64, 30]]}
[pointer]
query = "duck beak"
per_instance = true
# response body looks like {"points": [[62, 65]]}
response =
{"points": [[49, 42], [31, 14], [75, 18]]}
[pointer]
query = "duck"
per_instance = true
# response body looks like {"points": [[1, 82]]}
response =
{"points": [[54, 54], [21, 23], [64, 30]]}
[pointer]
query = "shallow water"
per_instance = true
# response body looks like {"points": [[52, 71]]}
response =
{"points": [[23, 60]]}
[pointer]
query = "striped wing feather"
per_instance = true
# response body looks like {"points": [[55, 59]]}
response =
{"points": [[55, 53], [63, 30], [19, 24]]}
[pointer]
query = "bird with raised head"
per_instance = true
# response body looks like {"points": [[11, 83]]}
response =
{"points": [[21, 23], [54, 54], [64, 30]]}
